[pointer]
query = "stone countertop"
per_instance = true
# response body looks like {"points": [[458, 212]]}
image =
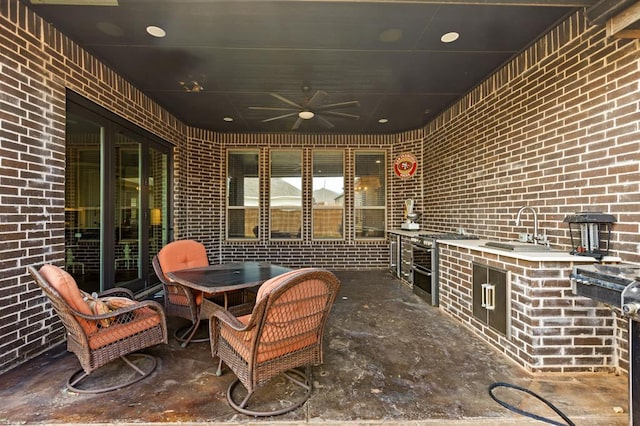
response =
{"points": [[538, 256], [405, 232]]}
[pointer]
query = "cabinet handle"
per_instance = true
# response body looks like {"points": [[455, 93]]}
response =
{"points": [[489, 296]]}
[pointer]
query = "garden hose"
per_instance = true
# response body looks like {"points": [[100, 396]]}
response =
{"points": [[526, 413]]}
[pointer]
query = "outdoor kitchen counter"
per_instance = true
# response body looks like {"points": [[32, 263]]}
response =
{"points": [[406, 232], [522, 303], [540, 256]]}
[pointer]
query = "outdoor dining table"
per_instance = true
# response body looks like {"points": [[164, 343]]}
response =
{"points": [[225, 277]]}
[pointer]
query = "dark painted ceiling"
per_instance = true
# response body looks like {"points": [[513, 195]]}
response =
{"points": [[386, 55]]}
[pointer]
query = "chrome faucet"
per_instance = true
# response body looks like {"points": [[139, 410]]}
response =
{"points": [[535, 221]]}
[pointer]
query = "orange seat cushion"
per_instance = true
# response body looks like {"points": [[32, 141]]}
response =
{"points": [[143, 319], [181, 299]]}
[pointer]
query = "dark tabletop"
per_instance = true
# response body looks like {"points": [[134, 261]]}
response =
{"points": [[227, 276]]}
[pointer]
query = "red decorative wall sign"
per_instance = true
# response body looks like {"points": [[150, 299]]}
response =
{"points": [[405, 165]]}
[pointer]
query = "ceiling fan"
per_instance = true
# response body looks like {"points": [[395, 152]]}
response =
{"points": [[310, 107]]}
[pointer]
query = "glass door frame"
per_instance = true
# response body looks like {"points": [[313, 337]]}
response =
{"points": [[113, 125]]}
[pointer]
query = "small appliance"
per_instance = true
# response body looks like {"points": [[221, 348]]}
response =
{"points": [[410, 216]]}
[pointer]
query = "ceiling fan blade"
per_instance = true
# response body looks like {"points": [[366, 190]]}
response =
{"points": [[272, 108], [316, 98], [339, 114], [297, 124], [291, 114], [327, 123], [286, 101], [347, 104]]}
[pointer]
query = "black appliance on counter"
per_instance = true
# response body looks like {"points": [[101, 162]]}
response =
{"points": [[617, 285], [590, 233], [424, 267]]}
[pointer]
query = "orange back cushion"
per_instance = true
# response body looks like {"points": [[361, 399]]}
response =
{"points": [[182, 254], [269, 285], [66, 286]]}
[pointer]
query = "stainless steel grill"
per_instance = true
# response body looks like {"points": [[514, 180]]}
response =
{"points": [[619, 286]]}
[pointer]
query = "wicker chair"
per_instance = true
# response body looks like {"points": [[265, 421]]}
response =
{"points": [[284, 331], [180, 301], [121, 327]]}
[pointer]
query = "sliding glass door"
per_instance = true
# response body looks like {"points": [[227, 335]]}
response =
{"points": [[116, 208]]}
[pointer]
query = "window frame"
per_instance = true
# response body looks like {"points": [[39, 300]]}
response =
{"points": [[301, 208], [315, 208], [382, 207], [229, 208]]}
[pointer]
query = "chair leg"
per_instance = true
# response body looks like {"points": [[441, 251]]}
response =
{"points": [[78, 377], [185, 334], [297, 377]]}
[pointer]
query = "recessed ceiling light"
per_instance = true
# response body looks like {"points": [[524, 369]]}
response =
{"points": [[306, 115], [449, 37], [390, 35], [383, 120], [228, 119], [156, 31]]}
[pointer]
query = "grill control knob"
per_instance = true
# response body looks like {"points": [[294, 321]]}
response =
{"points": [[631, 309]]}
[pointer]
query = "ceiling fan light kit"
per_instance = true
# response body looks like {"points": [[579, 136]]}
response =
{"points": [[310, 107]]}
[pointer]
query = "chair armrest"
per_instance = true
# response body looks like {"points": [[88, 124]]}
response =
{"points": [[155, 306], [228, 318]]}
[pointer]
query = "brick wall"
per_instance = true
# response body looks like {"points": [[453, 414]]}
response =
{"points": [[347, 254], [38, 64], [557, 129]]}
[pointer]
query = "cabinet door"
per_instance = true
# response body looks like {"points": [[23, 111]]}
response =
{"points": [[497, 317], [491, 297], [479, 278]]}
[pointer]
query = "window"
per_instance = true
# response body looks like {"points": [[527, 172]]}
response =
{"points": [[286, 195], [303, 194], [243, 194], [328, 195], [370, 194]]}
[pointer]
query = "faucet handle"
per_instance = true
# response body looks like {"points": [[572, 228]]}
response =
{"points": [[542, 239]]}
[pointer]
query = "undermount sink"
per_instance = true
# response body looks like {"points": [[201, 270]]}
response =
{"points": [[516, 246]]}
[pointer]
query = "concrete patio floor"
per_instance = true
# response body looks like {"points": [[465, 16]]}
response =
{"points": [[389, 359]]}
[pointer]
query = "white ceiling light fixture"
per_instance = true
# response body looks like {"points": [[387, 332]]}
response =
{"points": [[383, 120], [156, 31], [306, 115], [449, 37], [228, 119]]}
